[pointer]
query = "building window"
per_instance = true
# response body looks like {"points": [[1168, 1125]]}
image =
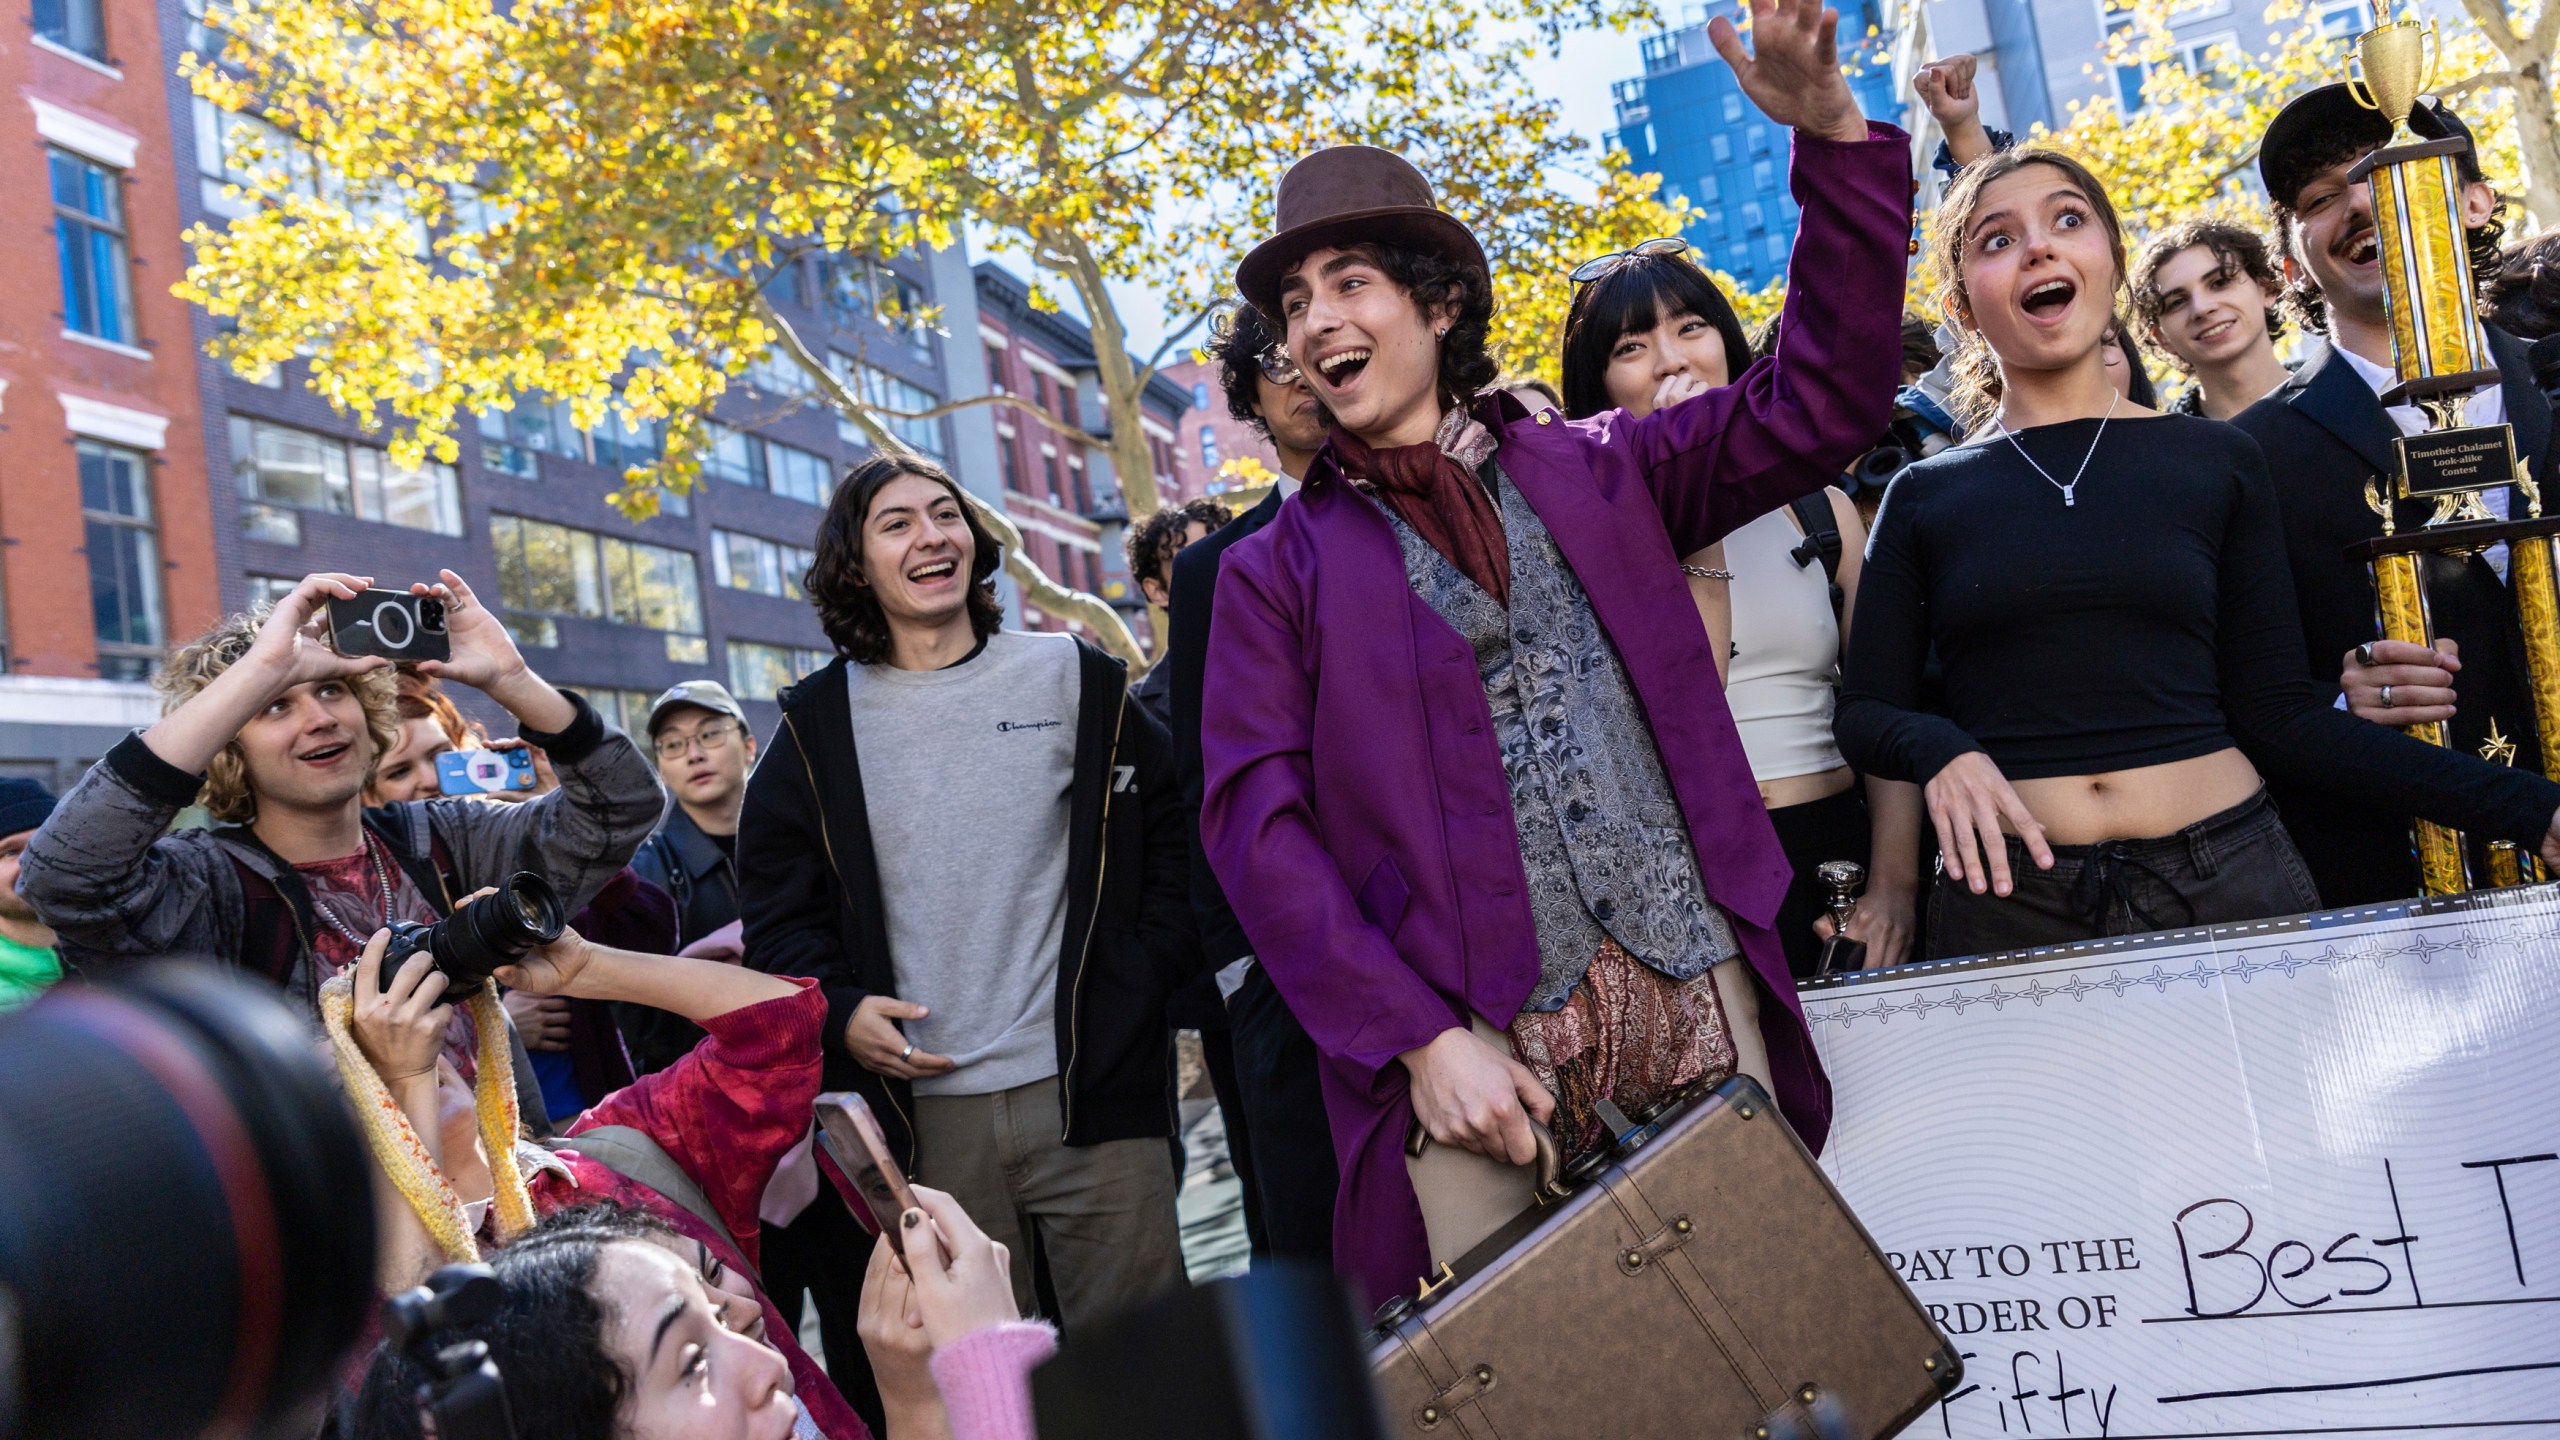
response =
{"points": [[786, 470], [547, 570], [881, 391], [1721, 147], [758, 671], [88, 224], [776, 373], [624, 710], [2337, 22], [1776, 245], [78, 26], [1732, 108], [1208, 447], [624, 444], [1009, 450], [270, 589], [1710, 190], [1057, 485], [511, 439], [1761, 178], [1040, 388], [1759, 139], [2129, 78], [751, 562], [124, 559], [1199, 394], [995, 370], [282, 471], [1067, 406], [1751, 221]]}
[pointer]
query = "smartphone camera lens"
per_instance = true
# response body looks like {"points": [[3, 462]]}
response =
{"points": [[392, 625], [430, 615]]}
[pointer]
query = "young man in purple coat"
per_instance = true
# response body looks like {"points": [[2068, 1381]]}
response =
{"points": [[1471, 783]]}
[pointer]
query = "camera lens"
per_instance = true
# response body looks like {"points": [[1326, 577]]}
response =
{"points": [[497, 930], [430, 615], [391, 619], [172, 1146]]}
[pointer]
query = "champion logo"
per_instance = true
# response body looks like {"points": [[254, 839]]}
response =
{"points": [[1007, 727]]}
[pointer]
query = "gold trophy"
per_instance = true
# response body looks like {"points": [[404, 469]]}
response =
{"points": [[2441, 359]]}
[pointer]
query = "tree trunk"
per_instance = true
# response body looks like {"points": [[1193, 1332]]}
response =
{"points": [[2537, 146], [1104, 623]]}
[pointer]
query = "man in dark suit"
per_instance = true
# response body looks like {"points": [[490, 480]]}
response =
{"points": [[1287, 1153], [2328, 437]]}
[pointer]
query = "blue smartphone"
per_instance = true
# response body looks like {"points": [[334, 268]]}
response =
{"points": [[484, 772]]}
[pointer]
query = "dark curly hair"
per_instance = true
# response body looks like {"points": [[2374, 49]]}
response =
{"points": [[2236, 249], [1238, 339], [2523, 298], [847, 608], [2302, 298], [548, 1337], [1153, 542], [1436, 282]]}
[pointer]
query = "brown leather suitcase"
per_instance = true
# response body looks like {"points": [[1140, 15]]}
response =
{"points": [[1700, 1279]]}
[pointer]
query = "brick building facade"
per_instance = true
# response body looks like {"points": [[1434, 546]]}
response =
{"points": [[1211, 437]]}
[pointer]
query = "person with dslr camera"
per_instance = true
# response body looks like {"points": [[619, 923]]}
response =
{"points": [[694, 1146], [274, 732]]}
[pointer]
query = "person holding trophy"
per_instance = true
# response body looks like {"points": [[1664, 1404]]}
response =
{"points": [[2382, 234], [2106, 589]]}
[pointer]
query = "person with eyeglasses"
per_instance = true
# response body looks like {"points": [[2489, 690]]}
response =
{"points": [[1649, 328], [1286, 1144]]}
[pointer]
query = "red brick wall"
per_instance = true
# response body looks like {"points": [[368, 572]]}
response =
{"points": [[42, 567]]}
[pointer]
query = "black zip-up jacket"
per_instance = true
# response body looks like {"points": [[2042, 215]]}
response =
{"points": [[809, 890]]}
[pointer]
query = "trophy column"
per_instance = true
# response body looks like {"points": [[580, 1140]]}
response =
{"points": [[2441, 358]]}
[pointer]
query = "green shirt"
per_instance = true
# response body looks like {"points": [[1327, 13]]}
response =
{"points": [[25, 970]]}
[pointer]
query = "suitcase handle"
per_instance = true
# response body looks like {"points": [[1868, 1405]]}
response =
{"points": [[1549, 1164]]}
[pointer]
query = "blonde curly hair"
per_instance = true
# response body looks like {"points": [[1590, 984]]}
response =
{"points": [[191, 667]]}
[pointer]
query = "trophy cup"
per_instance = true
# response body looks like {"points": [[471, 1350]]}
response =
{"points": [[2441, 358], [1843, 877]]}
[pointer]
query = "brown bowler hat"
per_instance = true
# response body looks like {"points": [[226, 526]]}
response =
{"points": [[1344, 195]]}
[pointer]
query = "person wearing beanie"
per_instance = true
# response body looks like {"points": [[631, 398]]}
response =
{"points": [[2326, 432], [27, 960]]}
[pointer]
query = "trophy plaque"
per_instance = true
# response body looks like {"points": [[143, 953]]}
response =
{"points": [[2441, 358]]}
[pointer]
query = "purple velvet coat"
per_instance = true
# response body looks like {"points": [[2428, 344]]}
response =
{"points": [[1356, 810]]}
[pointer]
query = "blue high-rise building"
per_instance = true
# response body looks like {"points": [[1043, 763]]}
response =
{"points": [[1687, 120]]}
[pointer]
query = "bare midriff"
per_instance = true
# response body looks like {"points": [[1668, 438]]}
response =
{"points": [[1789, 790], [2141, 803]]}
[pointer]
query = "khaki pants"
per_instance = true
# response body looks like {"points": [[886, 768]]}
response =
{"points": [[1466, 1196], [1103, 1214]]}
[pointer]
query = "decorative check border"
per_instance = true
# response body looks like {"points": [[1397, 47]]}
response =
{"points": [[2468, 924]]}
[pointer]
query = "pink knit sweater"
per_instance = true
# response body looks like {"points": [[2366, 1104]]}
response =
{"points": [[985, 1377]]}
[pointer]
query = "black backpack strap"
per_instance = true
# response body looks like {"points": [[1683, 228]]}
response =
{"points": [[1821, 542]]}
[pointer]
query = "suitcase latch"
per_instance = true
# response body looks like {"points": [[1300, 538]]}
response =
{"points": [[1462, 1392], [1634, 1259]]}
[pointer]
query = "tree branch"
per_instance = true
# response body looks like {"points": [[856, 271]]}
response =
{"points": [[2491, 17], [1147, 372]]}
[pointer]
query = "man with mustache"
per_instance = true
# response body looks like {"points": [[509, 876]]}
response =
{"points": [[2326, 433]]}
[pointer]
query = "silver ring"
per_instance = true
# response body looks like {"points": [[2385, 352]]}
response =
{"points": [[2364, 654], [2387, 701], [909, 1053]]}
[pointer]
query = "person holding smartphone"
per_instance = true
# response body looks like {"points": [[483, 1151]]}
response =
{"points": [[274, 733]]}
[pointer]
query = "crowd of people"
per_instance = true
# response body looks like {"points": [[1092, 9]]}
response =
{"points": [[1486, 776]]}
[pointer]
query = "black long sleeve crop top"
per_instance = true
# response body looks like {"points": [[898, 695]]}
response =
{"points": [[2154, 620]]}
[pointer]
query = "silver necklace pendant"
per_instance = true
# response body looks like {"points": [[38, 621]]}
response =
{"points": [[2070, 494]]}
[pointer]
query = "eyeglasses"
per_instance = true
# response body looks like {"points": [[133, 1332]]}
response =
{"points": [[1277, 367], [712, 738], [1600, 265]]}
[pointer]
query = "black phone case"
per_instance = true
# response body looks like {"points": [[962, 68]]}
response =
{"points": [[351, 629]]}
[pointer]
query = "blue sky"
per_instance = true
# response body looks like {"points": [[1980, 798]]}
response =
{"points": [[1577, 77]]}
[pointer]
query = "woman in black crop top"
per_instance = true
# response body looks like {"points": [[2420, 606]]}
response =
{"points": [[2107, 592]]}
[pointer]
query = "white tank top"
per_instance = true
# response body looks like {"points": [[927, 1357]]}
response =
{"points": [[1786, 651]]}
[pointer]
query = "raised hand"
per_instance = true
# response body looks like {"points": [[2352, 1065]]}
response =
{"points": [[484, 654], [292, 647], [1946, 87], [1792, 69]]}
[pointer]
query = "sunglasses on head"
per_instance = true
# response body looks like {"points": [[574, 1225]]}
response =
{"points": [[1600, 265]]}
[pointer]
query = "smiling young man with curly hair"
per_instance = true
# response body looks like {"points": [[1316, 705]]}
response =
{"points": [[274, 733]]}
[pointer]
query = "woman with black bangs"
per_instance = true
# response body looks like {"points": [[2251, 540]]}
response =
{"points": [[1650, 328]]}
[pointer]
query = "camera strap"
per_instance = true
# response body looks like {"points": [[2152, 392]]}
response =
{"points": [[1821, 542]]}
